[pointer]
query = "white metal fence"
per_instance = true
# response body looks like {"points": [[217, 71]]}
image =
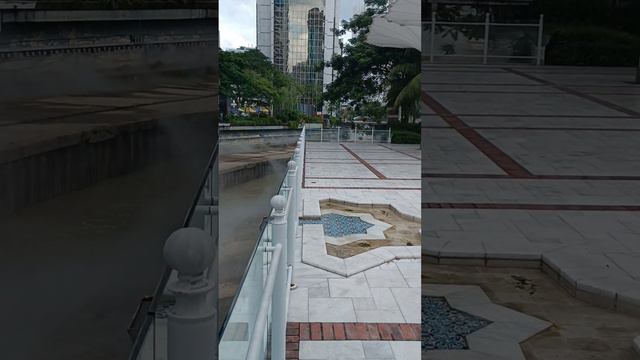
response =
{"points": [[483, 40], [347, 135]]}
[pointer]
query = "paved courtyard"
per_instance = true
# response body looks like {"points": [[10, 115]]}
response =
{"points": [[366, 306], [535, 167]]}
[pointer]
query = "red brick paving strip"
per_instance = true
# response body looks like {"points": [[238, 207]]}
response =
{"points": [[366, 164], [297, 332], [534, 177], [401, 152], [577, 93], [515, 206], [490, 150]]}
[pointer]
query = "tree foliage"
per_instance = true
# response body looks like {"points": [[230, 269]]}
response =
{"points": [[364, 71], [247, 77]]}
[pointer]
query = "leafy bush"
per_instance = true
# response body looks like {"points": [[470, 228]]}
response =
{"points": [[287, 116], [294, 124], [252, 121], [406, 127], [594, 46], [405, 137]]}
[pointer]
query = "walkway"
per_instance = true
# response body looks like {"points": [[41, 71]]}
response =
{"points": [[366, 306], [535, 167]]}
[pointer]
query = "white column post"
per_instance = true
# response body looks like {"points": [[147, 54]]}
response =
{"points": [[292, 215], [320, 134], [355, 133], [279, 299], [485, 50], [372, 133], [338, 135], [433, 37], [540, 33], [297, 156], [389, 137], [192, 322]]}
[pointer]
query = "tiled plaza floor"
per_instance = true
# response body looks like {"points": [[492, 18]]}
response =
{"points": [[535, 167], [374, 312]]}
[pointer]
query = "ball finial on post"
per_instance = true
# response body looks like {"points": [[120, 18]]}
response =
{"points": [[193, 318], [278, 202], [291, 165], [189, 251]]}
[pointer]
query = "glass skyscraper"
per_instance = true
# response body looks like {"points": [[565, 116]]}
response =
{"points": [[297, 36]]}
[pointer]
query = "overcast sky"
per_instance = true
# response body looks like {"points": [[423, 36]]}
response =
{"points": [[238, 21]]}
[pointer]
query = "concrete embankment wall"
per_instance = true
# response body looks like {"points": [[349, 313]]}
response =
{"points": [[63, 164], [241, 141], [251, 172], [105, 71], [62, 58]]}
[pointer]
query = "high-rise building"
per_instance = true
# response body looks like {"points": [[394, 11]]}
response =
{"points": [[298, 37]]}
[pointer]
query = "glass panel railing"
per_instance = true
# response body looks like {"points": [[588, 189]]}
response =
{"points": [[151, 340], [240, 325], [244, 321]]}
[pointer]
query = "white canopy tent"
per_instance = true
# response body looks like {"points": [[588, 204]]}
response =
{"points": [[399, 27]]}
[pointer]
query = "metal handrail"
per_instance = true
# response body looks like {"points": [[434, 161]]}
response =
{"points": [[261, 319]]}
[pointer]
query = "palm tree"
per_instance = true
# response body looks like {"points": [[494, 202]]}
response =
{"points": [[404, 90]]}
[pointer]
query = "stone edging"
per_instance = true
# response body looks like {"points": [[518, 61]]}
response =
{"points": [[314, 249], [311, 208], [314, 253], [593, 282]]}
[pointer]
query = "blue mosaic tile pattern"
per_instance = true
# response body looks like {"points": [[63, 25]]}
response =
{"points": [[445, 328], [336, 225]]}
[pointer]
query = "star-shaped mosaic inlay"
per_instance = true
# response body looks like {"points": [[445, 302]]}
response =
{"points": [[445, 328], [336, 225]]}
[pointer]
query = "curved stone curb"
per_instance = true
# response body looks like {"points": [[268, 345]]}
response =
{"points": [[314, 250], [499, 340], [314, 253], [636, 344], [311, 207], [586, 275]]}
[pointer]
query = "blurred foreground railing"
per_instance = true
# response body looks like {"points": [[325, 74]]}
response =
{"points": [[181, 320], [181, 323]]}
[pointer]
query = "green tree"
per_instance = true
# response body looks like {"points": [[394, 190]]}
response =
{"points": [[247, 77], [364, 71]]}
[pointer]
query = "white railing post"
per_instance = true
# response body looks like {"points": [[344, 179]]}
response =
{"points": [[389, 137], [485, 50], [279, 299], [320, 134], [433, 37], [540, 33], [338, 135], [297, 156], [192, 322], [372, 134], [292, 212], [257, 342]]}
